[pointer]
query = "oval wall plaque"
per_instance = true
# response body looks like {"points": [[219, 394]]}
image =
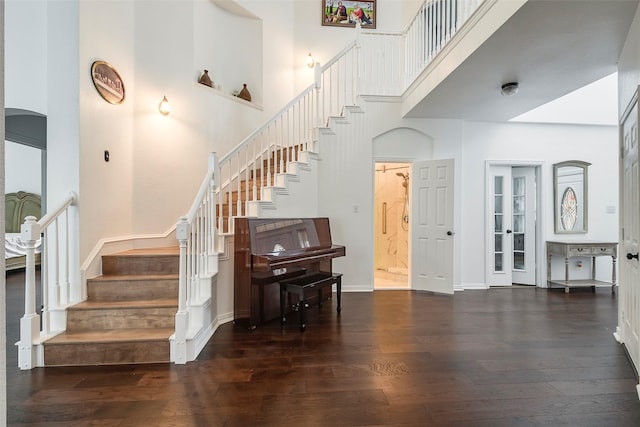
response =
{"points": [[107, 82]]}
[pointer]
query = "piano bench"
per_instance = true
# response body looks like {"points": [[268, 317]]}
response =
{"points": [[302, 286]]}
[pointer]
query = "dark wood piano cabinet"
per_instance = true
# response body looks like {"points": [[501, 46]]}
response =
{"points": [[270, 250]]}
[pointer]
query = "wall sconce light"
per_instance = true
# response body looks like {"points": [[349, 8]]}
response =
{"points": [[509, 89], [310, 61], [164, 107]]}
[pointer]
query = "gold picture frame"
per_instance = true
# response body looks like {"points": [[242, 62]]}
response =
{"points": [[345, 13], [107, 82]]}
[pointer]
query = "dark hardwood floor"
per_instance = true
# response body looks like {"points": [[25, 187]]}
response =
{"points": [[503, 357]]}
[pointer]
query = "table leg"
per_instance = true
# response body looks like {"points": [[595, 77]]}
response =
{"points": [[613, 275], [566, 275], [339, 293]]}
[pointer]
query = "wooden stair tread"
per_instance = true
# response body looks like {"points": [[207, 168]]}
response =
{"points": [[111, 335], [163, 302], [119, 277], [170, 250]]}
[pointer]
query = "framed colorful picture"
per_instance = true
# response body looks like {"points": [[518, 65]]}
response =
{"points": [[346, 13], [107, 82]]}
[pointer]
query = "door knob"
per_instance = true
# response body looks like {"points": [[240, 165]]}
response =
{"points": [[509, 231], [450, 233], [630, 256]]}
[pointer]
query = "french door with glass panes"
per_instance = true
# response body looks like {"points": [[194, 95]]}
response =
{"points": [[511, 226]]}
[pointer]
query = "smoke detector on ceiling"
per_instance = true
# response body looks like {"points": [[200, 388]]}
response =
{"points": [[509, 89]]}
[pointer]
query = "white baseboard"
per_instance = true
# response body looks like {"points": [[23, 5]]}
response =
{"points": [[357, 288], [474, 286]]}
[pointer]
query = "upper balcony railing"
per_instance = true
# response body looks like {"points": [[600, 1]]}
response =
{"points": [[390, 62]]}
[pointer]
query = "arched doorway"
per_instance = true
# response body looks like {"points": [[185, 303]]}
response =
{"points": [[29, 129]]}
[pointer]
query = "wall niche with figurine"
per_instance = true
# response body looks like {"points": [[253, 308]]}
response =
{"points": [[229, 70]]}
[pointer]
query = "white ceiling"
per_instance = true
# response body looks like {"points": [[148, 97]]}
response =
{"points": [[594, 104], [550, 47]]}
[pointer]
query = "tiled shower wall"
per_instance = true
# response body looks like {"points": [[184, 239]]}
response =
{"points": [[392, 247]]}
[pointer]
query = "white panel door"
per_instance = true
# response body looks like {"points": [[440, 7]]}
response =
{"points": [[629, 302], [431, 243]]}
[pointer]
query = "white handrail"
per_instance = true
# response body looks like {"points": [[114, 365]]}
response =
{"points": [[338, 56], [50, 217], [56, 288], [252, 164], [256, 132]]}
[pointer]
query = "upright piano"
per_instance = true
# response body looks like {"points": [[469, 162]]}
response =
{"points": [[272, 250]]}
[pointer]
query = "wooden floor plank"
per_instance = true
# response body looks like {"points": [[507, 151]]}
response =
{"points": [[502, 357]]}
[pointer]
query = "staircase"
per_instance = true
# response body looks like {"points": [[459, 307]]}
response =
{"points": [[263, 178], [128, 316]]}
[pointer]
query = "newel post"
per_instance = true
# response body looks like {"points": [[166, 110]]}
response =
{"points": [[30, 322], [182, 316]]}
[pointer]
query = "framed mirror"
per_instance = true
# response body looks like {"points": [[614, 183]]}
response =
{"points": [[570, 197]]}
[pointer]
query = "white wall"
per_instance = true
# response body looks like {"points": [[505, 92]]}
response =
{"points": [[63, 114], [105, 188], [22, 168], [25, 30], [324, 42], [629, 65], [550, 144], [278, 55], [240, 62], [347, 178]]}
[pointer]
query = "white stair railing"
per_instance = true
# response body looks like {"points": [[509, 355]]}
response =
{"points": [[250, 166], [196, 234], [55, 232]]}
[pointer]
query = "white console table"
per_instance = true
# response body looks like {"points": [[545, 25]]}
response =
{"points": [[581, 249]]}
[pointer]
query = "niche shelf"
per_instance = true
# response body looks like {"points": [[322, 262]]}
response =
{"points": [[231, 97]]}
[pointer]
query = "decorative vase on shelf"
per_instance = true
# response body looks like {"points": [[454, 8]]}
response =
{"points": [[244, 93], [205, 79]]}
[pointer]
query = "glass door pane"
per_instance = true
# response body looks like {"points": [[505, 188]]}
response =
{"points": [[519, 210], [498, 209]]}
